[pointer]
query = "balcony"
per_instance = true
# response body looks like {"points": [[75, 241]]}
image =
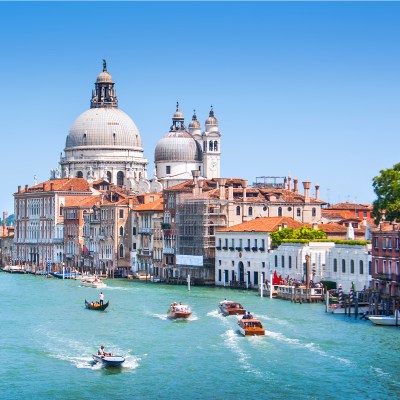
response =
{"points": [[254, 248], [239, 248], [218, 247], [247, 248], [147, 231], [169, 250], [262, 249], [231, 248], [225, 248], [58, 240]]}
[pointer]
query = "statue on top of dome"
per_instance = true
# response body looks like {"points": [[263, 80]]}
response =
{"points": [[104, 65]]}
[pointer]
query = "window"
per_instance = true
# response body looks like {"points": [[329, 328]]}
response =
{"points": [[121, 213], [384, 243], [283, 261], [335, 265], [263, 264], [298, 212], [210, 147], [369, 267], [376, 266], [361, 267], [250, 211], [352, 266], [219, 275], [120, 178], [121, 251], [215, 145], [238, 210], [233, 263], [314, 212], [134, 246], [109, 176], [121, 231], [279, 211], [390, 242], [290, 261], [397, 243], [276, 261], [365, 214], [79, 174], [219, 262], [384, 267], [343, 265], [168, 169], [376, 242], [204, 146], [134, 231]]}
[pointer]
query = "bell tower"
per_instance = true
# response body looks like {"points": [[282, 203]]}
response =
{"points": [[212, 147]]}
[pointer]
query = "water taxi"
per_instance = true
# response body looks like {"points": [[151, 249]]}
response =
{"points": [[176, 311], [231, 308], [388, 320], [93, 282], [251, 327]]}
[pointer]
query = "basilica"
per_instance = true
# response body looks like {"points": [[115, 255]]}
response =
{"points": [[104, 143]]}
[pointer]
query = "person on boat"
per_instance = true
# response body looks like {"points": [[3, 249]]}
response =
{"points": [[101, 351], [101, 298], [249, 316]]}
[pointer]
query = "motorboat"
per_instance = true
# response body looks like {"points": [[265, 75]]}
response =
{"points": [[109, 360], [65, 275], [177, 311], [251, 327], [388, 320], [96, 305], [93, 282], [231, 308]]}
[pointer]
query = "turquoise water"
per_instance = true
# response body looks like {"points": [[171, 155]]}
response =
{"points": [[47, 338]]}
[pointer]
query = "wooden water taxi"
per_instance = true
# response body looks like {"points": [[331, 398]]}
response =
{"points": [[177, 311], [251, 327], [231, 308]]}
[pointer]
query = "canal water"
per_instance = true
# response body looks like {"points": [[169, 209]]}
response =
{"points": [[47, 338]]}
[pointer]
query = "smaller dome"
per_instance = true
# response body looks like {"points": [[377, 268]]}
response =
{"points": [[178, 146], [104, 77], [194, 124], [211, 120]]}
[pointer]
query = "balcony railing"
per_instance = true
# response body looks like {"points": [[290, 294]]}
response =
{"points": [[58, 240], [169, 250], [147, 231]]}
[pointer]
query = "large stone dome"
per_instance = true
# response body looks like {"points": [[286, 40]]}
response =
{"points": [[103, 127], [177, 146]]}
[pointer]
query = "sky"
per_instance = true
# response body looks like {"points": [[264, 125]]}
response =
{"points": [[309, 90]]}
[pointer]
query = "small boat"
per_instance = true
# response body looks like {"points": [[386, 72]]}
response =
{"points": [[176, 311], [96, 306], [388, 320], [231, 308], [65, 275], [109, 360], [251, 327], [93, 283]]}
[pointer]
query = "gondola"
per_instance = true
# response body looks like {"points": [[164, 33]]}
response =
{"points": [[89, 306]]}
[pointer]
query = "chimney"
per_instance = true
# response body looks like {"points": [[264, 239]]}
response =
{"points": [[245, 184], [26, 188], [289, 185], [221, 182], [306, 186], [230, 192], [296, 185], [19, 189], [285, 183], [51, 186], [195, 174], [317, 192]]}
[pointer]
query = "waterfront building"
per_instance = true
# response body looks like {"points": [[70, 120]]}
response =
{"points": [[242, 250], [149, 248], [7, 253], [195, 209], [386, 258], [182, 150], [104, 142], [350, 210], [39, 219]]}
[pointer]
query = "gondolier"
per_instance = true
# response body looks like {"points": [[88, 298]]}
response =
{"points": [[101, 298]]}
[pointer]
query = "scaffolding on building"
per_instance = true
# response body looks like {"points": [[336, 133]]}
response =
{"points": [[197, 219]]}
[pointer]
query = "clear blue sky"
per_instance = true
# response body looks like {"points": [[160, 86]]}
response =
{"points": [[306, 89]]}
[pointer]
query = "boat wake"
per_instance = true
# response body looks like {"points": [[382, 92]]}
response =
{"points": [[163, 317], [232, 341], [312, 347], [218, 315]]}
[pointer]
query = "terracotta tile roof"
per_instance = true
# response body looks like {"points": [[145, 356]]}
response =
{"points": [[72, 184], [331, 214], [157, 205], [264, 224], [82, 202], [386, 227], [350, 206]]}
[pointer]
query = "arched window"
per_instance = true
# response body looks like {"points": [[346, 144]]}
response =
{"points": [[352, 266], [204, 146], [121, 231], [120, 178], [215, 145], [343, 265], [290, 261], [335, 265], [121, 251], [238, 210], [79, 174], [361, 267], [276, 261], [109, 176], [279, 211], [314, 212], [210, 147], [299, 212], [283, 261], [250, 211]]}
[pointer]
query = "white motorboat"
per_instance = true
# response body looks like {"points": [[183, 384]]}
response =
{"points": [[109, 360], [388, 320], [93, 283]]}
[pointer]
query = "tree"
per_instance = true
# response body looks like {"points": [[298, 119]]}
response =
{"points": [[305, 232], [387, 190]]}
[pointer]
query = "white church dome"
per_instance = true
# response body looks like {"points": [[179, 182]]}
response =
{"points": [[104, 127]]}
